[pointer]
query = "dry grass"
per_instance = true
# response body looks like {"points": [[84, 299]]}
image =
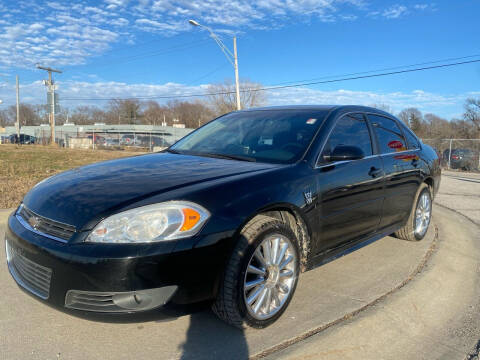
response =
{"points": [[21, 167]]}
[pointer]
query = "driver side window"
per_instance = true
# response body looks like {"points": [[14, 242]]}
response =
{"points": [[350, 130]]}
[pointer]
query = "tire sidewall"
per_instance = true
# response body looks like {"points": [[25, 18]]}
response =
{"points": [[274, 227]]}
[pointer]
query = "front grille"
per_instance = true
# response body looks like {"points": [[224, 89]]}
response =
{"points": [[31, 276], [45, 226]]}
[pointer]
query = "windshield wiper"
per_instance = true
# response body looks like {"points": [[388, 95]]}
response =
{"points": [[228, 156]]}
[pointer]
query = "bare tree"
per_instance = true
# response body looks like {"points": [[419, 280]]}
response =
{"points": [[192, 114], [472, 112], [153, 113], [125, 110], [28, 115], [383, 107], [5, 119], [436, 127], [463, 129], [413, 118], [81, 115], [222, 98]]}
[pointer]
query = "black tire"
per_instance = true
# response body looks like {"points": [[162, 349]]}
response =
{"points": [[408, 231], [229, 304]]}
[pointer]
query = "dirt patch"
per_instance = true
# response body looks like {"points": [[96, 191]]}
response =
{"points": [[21, 167]]}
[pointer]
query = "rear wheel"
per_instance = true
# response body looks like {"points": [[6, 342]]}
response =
{"points": [[261, 275], [420, 216]]}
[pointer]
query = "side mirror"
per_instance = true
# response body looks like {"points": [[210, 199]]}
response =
{"points": [[343, 153]]}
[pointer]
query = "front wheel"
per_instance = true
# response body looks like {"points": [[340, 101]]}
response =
{"points": [[261, 275], [420, 216]]}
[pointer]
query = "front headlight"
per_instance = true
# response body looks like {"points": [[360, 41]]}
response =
{"points": [[158, 222]]}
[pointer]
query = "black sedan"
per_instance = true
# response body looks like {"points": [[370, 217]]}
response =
{"points": [[231, 214]]}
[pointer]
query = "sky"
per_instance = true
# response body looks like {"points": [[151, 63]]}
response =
{"points": [[147, 48]]}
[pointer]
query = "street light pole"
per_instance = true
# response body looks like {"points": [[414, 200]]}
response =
{"points": [[232, 58], [237, 85]]}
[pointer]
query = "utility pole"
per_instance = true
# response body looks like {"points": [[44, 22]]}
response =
{"points": [[237, 85], [51, 89], [18, 111]]}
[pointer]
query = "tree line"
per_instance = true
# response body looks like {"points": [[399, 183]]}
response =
{"points": [[133, 111], [196, 113], [432, 126]]}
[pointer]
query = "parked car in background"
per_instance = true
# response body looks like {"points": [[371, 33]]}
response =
{"points": [[231, 213], [463, 159], [112, 142], [160, 141], [23, 139], [131, 140], [127, 139], [4, 139], [151, 141], [97, 139]]}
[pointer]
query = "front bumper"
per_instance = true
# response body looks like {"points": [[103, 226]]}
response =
{"points": [[113, 278]]}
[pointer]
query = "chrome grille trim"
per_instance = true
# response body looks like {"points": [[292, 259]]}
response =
{"points": [[46, 227], [29, 275]]}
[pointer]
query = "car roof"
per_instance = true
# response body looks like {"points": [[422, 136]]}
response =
{"points": [[319, 108]]}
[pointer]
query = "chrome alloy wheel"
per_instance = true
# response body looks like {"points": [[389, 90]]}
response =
{"points": [[423, 214], [270, 277]]}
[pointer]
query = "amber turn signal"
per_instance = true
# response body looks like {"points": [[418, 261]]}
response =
{"points": [[191, 218]]}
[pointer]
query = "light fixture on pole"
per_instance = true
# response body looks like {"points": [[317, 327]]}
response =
{"points": [[230, 57]]}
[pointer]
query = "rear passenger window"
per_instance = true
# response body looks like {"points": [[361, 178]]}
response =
{"points": [[350, 130], [411, 140], [389, 135]]}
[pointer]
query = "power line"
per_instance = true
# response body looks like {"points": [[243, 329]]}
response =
{"points": [[377, 70], [164, 51], [210, 73], [275, 87]]}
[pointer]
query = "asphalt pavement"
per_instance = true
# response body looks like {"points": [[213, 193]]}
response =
{"points": [[391, 299]]}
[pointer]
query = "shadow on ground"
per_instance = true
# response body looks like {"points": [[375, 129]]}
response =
{"points": [[210, 338]]}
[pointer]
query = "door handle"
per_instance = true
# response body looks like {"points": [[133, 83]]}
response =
{"points": [[375, 172]]}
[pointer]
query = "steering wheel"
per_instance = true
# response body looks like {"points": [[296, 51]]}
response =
{"points": [[292, 146]]}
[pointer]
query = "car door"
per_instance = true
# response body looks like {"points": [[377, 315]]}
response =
{"points": [[401, 166], [350, 194]]}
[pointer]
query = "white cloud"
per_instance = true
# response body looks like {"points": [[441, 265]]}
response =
{"points": [[74, 31], [154, 26], [395, 11], [54, 31]]}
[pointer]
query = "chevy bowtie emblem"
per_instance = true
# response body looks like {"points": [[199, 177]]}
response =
{"points": [[34, 222]]}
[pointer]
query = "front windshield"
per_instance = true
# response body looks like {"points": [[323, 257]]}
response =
{"points": [[276, 136]]}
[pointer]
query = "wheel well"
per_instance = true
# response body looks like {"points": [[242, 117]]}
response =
{"points": [[298, 225], [429, 182]]}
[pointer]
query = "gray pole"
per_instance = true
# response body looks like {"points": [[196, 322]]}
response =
{"points": [[450, 153], [18, 111], [237, 85], [52, 87], [228, 55]]}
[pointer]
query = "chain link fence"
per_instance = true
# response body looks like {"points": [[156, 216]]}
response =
{"points": [[111, 139], [457, 154]]}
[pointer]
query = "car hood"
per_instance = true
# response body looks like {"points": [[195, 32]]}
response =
{"points": [[79, 195]]}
